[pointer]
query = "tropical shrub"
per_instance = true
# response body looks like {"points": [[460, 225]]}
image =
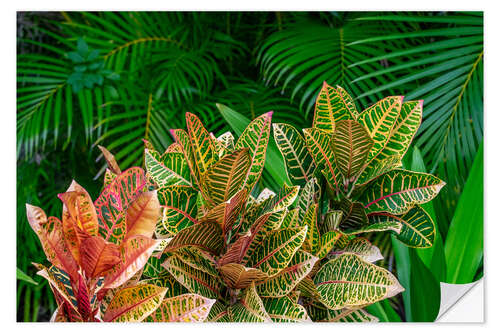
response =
{"points": [[223, 251]]}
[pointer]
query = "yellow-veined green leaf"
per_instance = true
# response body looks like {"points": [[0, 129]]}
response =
{"points": [[255, 137], [283, 310], [379, 120], [327, 242], [308, 195], [179, 209], [174, 288], [397, 191], [238, 276], [218, 313], [362, 248], [134, 304], [332, 105], [377, 168], [249, 308], [198, 259], [205, 235], [353, 216], [298, 162], [183, 308], [202, 145], [349, 281], [312, 242], [172, 169], [347, 315], [286, 280]]}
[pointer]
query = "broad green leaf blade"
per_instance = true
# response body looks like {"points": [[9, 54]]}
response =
{"points": [[283, 310], [171, 169], [353, 216], [318, 144], [202, 145], [194, 280], [383, 311], [377, 168], [285, 281], [238, 276], [255, 137], [379, 120], [218, 313], [417, 227], [167, 281], [227, 176], [312, 242], [249, 308], [308, 195], [349, 281], [179, 209], [183, 308], [205, 235], [319, 313], [134, 304], [299, 163], [327, 242], [464, 242], [397, 191], [142, 215], [350, 144], [198, 259], [277, 249], [332, 105], [20, 275], [112, 204]]}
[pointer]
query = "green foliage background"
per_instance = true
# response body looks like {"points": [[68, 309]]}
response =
{"points": [[114, 78]]}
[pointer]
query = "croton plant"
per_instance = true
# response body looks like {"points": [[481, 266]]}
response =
{"points": [[191, 239]]}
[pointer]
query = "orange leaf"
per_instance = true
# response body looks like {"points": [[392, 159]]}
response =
{"points": [[142, 215], [98, 256]]}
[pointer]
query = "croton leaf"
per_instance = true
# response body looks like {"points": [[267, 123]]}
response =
{"points": [[183, 141], [218, 313], [255, 137], [238, 276], [142, 215], [249, 308], [112, 204], [283, 310], [179, 209], [398, 190], [332, 105], [198, 259], [375, 169], [362, 248], [349, 281], [227, 213], [353, 215], [135, 303], [98, 256], [172, 169], [406, 126], [308, 195], [417, 227], [50, 233], [183, 308], [291, 219], [109, 176], [226, 140], [318, 144], [350, 144], [134, 253], [227, 176], [194, 280], [327, 242], [205, 235], [201, 144], [60, 283], [347, 315], [379, 120], [298, 162], [286, 280], [312, 242], [285, 197], [174, 288], [110, 160], [275, 251]]}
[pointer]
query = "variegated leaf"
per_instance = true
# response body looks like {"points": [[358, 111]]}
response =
{"points": [[291, 219], [179, 209], [347, 315], [51, 237], [173, 148], [298, 162], [207, 236], [312, 242], [134, 253], [307, 288], [332, 220], [255, 137], [249, 308], [362, 248], [402, 134], [286, 280], [167, 281], [134, 304], [218, 313], [327, 242], [417, 227], [379, 120], [142, 215], [227, 213], [109, 176], [110, 160], [183, 141], [153, 267], [398, 190], [238, 276], [112, 204], [283, 310], [350, 144], [308, 195], [332, 105], [275, 251], [349, 281], [194, 280], [377, 168], [183, 308], [98, 256], [226, 177], [226, 140], [198, 259], [171, 169], [318, 144], [285, 197], [201, 143], [60, 283], [353, 215]]}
